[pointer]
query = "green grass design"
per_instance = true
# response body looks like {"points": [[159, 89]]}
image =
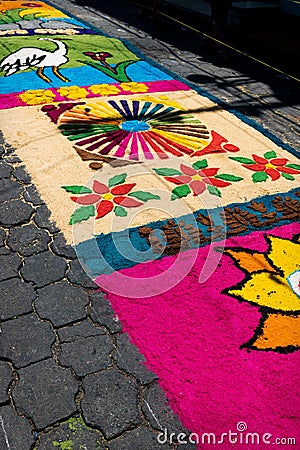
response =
{"points": [[76, 46], [4, 18], [120, 76], [29, 17]]}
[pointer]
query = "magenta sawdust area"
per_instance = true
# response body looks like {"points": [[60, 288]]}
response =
{"points": [[184, 213]]}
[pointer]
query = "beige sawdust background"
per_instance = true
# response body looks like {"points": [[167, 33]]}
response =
{"points": [[52, 162]]}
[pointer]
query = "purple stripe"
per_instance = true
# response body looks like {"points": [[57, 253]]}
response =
{"points": [[117, 141], [110, 137], [135, 105], [96, 138], [124, 103], [122, 147], [116, 106], [90, 140]]}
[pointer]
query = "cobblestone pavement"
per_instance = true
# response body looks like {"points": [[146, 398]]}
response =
{"points": [[68, 375], [69, 378]]}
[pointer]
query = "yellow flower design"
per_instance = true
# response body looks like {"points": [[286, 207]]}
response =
{"points": [[161, 99], [68, 31], [46, 31], [134, 87], [37, 97], [273, 284], [73, 92], [41, 11], [104, 89], [13, 32]]}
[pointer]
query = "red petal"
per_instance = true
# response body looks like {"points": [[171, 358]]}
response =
{"points": [[208, 172], [259, 159], [197, 186], [273, 173], [123, 189], [100, 188], [105, 54], [255, 167], [231, 148], [279, 161], [187, 170], [288, 170], [127, 202], [215, 146], [216, 182], [180, 179], [104, 208], [89, 199]]}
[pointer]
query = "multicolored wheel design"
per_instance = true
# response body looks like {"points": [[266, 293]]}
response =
{"points": [[134, 130]]}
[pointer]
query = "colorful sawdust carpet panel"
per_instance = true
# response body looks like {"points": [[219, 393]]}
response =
{"points": [[184, 213]]}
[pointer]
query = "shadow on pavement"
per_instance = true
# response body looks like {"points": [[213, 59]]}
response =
{"points": [[256, 35]]}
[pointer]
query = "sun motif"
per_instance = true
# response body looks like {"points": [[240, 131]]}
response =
{"points": [[273, 284], [133, 129]]}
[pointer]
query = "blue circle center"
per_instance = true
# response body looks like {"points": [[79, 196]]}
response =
{"points": [[135, 125]]}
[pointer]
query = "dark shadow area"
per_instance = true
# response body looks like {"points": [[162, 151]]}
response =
{"points": [[267, 33], [272, 37]]}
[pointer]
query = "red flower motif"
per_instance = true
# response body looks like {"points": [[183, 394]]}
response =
{"points": [[99, 56], [271, 167], [197, 179], [104, 198]]}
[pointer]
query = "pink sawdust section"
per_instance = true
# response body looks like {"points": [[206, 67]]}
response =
{"points": [[15, 99], [191, 337]]}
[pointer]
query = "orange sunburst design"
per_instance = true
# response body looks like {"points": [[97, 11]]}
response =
{"points": [[273, 284], [30, 7]]}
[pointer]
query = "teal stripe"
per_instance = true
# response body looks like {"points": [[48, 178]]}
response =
{"points": [[105, 253]]}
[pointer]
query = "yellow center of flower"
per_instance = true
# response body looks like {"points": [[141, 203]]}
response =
{"points": [[107, 196], [270, 166], [196, 177]]}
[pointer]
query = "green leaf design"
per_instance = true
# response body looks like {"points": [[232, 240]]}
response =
{"points": [[5, 19], [144, 196], [165, 172], [77, 189], [117, 179], [83, 213], [214, 191], [270, 155], [180, 191], [120, 211], [29, 17], [288, 176], [121, 70], [120, 74], [258, 177], [242, 160], [200, 164], [228, 177], [294, 166], [13, 14]]}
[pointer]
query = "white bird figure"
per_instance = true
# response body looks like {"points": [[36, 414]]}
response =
{"points": [[28, 57]]}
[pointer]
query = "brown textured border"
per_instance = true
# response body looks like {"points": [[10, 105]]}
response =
{"points": [[182, 236]]}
